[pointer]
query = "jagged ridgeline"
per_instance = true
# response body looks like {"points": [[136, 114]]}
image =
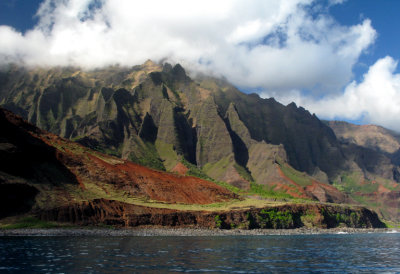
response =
{"points": [[156, 115]]}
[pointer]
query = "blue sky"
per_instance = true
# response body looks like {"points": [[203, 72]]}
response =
{"points": [[336, 58], [384, 14], [385, 18], [19, 13]]}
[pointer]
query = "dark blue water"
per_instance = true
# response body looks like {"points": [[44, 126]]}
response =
{"points": [[374, 253]]}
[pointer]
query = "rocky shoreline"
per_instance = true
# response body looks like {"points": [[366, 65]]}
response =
{"points": [[184, 232]]}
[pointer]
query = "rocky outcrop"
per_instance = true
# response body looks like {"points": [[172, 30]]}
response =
{"points": [[115, 213]]}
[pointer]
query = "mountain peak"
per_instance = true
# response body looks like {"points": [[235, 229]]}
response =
{"points": [[157, 116], [150, 66], [179, 72]]}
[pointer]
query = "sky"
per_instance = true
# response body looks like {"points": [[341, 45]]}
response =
{"points": [[336, 58]]}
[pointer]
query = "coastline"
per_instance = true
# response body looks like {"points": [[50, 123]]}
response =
{"points": [[186, 232]]}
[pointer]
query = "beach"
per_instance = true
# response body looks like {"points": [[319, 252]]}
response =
{"points": [[116, 232]]}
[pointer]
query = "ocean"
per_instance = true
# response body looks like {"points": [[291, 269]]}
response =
{"points": [[342, 253]]}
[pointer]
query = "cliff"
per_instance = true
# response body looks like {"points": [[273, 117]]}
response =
{"points": [[157, 116], [65, 182]]}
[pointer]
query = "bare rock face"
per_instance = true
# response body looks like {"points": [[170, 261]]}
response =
{"points": [[159, 117], [263, 162], [326, 193], [75, 192], [213, 140], [128, 112]]}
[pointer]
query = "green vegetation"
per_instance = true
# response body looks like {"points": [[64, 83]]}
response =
{"points": [[273, 218], [217, 169], [308, 219], [339, 187], [298, 177], [149, 158], [194, 170], [364, 200], [181, 112], [109, 151], [267, 192], [355, 182], [351, 220], [197, 172], [218, 221], [244, 173], [167, 154], [30, 222], [229, 187], [391, 224], [251, 223]]}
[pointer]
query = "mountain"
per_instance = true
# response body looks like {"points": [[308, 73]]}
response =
{"points": [[53, 172], [50, 178], [369, 136], [158, 116], [373, 142]]}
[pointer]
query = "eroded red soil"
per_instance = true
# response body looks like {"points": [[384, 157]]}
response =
{"points": [[317, 190], [156, 185], [180, 169], [80, 165]]}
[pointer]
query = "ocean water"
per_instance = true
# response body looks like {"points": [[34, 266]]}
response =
{"points": [[344, 253]]}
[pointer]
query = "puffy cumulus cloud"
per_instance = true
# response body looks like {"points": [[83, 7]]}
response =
{"points": [[374, 100], [274, 44]]}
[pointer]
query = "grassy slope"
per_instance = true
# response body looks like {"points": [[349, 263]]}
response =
{"points": [[94, 191], [257, 197]]}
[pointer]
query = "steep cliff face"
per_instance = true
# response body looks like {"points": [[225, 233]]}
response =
{"points": [[138, 112], [55, 179], [157, 116], [290, 216]]}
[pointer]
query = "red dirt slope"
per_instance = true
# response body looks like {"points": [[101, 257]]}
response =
{"points": [[316, 191], [156, 185], [82, 166], [180, 169]]}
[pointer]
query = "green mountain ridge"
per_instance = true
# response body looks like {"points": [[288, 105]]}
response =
{"points": [[158, 116]]}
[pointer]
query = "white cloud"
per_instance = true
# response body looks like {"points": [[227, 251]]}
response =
{"points": [[254, 44], [335, 2], [276, 45], [375, 100]]}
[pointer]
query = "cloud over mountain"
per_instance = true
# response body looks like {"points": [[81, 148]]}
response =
{"points": [[374, 100], [277, 46], [262, 43]]}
